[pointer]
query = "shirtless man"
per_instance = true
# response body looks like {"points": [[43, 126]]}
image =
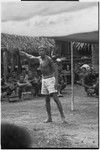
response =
{"points": [[49, 80]]}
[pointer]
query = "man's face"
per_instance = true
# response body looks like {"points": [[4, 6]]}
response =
{"points": [[42, 52]]}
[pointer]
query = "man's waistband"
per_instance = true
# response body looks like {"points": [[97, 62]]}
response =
{"points": [[49, 76]]}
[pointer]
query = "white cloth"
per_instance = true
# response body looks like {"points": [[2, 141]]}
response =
{"points": [[48, 86], [87, 67]]}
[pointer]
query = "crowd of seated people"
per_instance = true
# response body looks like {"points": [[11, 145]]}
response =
{"points": [[24, 82], [29, 82]]}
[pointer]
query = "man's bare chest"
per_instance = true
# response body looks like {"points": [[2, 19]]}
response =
{"points": [[44, 63]]}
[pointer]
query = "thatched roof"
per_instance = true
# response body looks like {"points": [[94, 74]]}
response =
{"points": [[25, 43]]}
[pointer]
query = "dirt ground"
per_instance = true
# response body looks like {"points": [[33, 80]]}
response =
{"points": [[80, 131]]}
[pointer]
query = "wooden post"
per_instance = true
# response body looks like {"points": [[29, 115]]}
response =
{"points": [[72, 78]]}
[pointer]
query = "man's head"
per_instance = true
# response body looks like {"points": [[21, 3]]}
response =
{"points": [[42, 51]]}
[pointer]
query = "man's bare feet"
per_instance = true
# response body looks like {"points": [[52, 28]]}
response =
{"points": [[63, 120], [49, 120]]}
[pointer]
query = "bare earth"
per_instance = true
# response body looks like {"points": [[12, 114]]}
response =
{"points": [[80, 131]]}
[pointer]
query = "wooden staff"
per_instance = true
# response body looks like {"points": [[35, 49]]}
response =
{"points": [[72, 78]]}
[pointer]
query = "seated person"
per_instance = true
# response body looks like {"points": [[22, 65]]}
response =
{"points": [[89, 81], [7, 88], [36, 84], [95, 89], [61, 84], [22, 84], [82, 73]]}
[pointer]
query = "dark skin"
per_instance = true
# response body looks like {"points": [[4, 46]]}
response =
{"points": [[46, 71]]}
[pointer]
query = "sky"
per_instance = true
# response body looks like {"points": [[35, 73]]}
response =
{"points": [[48, 18]]}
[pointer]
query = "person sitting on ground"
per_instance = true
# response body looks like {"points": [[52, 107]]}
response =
{"points": [[22, 84], [96, 87], [61, 85], [7, 88], [82, 74], [89, 81], [94, 90], [36, 84]]}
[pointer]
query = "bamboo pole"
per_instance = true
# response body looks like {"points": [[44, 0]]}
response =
{"points": [[72, 78]]}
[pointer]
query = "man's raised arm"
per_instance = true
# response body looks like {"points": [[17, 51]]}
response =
{"points": [[27, 55]]}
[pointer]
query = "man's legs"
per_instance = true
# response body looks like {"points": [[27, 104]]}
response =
{"points": [[20, 90], [48, 108], [47, 100], [37, 89], [56, 99]]}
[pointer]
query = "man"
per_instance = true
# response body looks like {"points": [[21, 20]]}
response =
{"points": [[49, 80]]}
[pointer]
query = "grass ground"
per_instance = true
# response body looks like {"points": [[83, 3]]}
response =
{"points": [[80, 131]]}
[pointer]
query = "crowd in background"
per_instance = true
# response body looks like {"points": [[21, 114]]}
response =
{"points": [[28, 80]]}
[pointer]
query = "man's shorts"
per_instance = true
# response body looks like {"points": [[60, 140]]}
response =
{"points": [[48, 86]]}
